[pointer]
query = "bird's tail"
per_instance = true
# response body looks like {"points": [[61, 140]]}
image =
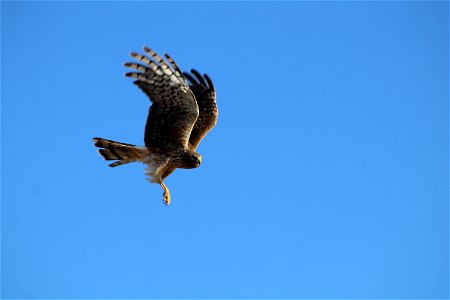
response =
{"points": [[123, 153]]}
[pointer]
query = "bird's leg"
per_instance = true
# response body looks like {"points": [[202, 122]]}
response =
{"points": [[166, 195]]}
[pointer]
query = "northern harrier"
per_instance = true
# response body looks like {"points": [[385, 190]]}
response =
{"points": [[181, 114]]}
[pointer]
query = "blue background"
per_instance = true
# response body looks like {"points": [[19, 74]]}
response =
{"points": [[325, 177]]}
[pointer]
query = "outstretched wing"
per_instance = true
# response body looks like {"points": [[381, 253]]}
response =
{"points": [[203, 89], [174, 111]]}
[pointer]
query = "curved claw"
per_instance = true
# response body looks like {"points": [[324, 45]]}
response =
{"points": [[166, 195], [166, 198]]}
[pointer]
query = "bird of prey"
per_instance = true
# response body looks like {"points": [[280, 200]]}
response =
{"points": [[182, 112]]}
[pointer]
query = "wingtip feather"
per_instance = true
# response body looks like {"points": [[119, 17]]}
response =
{"points": [[210, 83], [198, 76]]}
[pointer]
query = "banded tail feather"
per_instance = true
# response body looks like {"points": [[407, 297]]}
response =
{"points": [[123, 153]]}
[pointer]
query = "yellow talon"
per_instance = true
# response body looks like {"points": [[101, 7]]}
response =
{"points": [[166, 195], [166, 198]]}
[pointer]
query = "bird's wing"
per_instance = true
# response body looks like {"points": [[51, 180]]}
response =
{"points": [[203, 89], [174, 110]]}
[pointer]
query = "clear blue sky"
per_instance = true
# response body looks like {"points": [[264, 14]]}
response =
{"points": [[325, 177]]}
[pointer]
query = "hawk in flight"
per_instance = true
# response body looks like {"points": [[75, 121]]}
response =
{"points": [[183, 110]]}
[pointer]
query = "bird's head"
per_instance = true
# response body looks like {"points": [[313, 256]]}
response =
{"points": [[191, 160]]}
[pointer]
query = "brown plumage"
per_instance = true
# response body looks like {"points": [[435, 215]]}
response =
{"points": [[180, 116]]}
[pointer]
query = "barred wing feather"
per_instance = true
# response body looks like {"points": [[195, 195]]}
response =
{"points": [[174, 109]]}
